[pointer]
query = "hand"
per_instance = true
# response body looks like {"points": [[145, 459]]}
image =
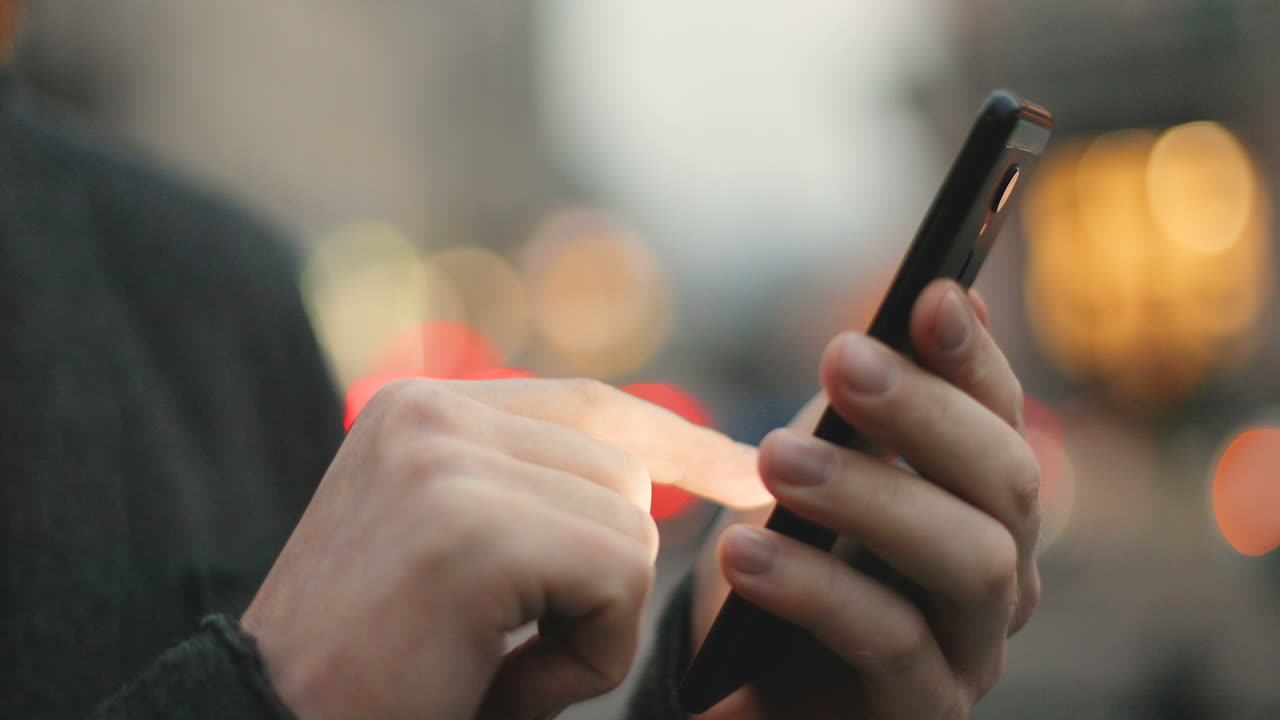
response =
{"points": [[457, 512], [964, 529]]}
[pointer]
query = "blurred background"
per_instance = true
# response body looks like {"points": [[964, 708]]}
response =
{"points": [[688, 199]]}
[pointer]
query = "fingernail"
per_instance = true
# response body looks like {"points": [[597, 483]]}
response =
{"points": [[953, 322], [747, 551], [868, 369], [803, 461]]}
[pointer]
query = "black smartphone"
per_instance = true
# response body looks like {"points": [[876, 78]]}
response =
{"points": [[954, 238]]}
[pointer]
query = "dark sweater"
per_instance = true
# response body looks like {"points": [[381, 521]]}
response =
{"points": [[164, 417]]}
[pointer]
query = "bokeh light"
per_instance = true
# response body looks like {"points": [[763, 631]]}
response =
{"points": [[1148, 260], [436, 349], [360, 392], [361, 283], [1201, 186], [1109, 477], [1246, 491], [601, 301], [492, 294], [1057, 479], [499, 374]]}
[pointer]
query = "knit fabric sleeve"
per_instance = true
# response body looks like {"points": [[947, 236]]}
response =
{"points": [[654, 697], [216, 673]]}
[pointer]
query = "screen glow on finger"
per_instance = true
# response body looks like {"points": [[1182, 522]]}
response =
{"points": [[1246, 492]]}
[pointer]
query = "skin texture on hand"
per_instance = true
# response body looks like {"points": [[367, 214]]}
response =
{"points": [[457, 512], [961, 522]]}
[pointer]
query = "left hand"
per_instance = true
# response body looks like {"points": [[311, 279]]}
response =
{"points": [[963, 526]]}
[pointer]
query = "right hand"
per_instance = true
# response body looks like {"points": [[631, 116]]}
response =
{"points": [[457, 512]]}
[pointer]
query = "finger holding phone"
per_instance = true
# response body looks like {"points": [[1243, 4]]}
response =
{"points": [[934, 562], [966, 535]]}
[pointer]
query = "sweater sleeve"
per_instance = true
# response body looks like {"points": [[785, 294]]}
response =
{"points": [[216, 673], [654, 697]]}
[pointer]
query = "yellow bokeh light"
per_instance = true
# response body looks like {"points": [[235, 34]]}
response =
{"points": [[492, 295], [1148, 259], [361, 282], [601, 301], [1200, 186]]}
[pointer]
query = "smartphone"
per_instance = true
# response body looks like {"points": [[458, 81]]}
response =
{"points": [[978, 193]]}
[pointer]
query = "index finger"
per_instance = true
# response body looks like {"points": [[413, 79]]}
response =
{"points": [[950, 338], [674, 451]]}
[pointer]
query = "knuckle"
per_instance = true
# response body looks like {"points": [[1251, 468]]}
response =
{"points": [[388, 395], [902, 647], [1028, 599], [970, 371], [1017, 402], [611, 670], [597, 403], [424, 404], [633, 478], [614, 672], [633, 579], [643, 528], [827, 596], [935, 408], [652, 538], [630, 571], [634, 522], [995, 571], [459, 512], [1023, 481], [589, 392], [639, 575], [880, 494], [433, 458], [958, 709]]}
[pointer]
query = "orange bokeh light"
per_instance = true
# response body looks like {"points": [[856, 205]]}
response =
{"points": [[600, 298], [1148, 260], [1246, 492]]}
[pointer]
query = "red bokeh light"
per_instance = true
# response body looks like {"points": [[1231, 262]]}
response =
{"points": [[361, 392], [1246, 492], [498, 374], [1044, 435], [436, 349]]}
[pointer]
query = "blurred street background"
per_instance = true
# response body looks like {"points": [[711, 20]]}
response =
{"points": [[689, 199]]}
